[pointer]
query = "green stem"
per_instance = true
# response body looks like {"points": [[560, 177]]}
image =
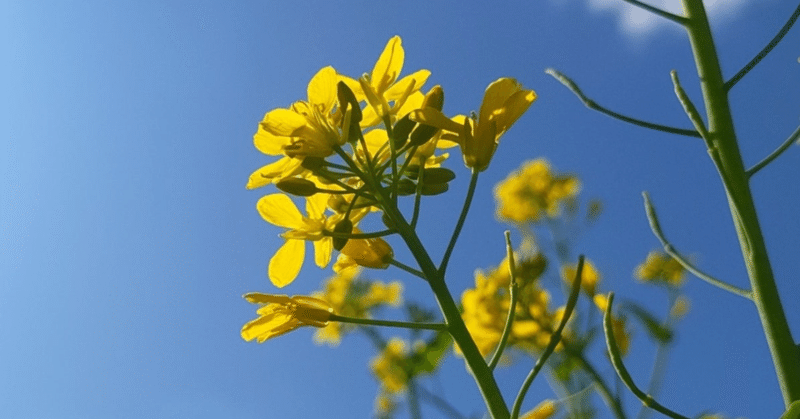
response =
{"points": [[555, 338], [388, 323], [785, 355], [512, 289], [473, 182], [455, 324]]}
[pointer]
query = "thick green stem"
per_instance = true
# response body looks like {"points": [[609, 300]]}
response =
{"points": [[724, 149], [455, 324]]}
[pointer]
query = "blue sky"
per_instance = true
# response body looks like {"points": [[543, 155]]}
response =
{"points": [[127, 237]]}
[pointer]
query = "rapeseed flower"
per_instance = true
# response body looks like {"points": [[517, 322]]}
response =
{"points": [[534, 191], [661, 267], [281, 314]]}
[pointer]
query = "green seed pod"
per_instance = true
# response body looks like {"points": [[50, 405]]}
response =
{"points": [[406, 187], [434, 189], [401, 130], [297, 186], [437, 175], [345, 226]]}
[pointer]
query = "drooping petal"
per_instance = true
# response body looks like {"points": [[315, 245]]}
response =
{"points": [[284, 167], [285, 265], [278, 209], [322, 88], [388, 66], [269, 326], [283, 122], [260, 298]]}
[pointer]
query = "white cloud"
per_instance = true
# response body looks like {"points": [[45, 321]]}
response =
{"points": [[636, 21]]}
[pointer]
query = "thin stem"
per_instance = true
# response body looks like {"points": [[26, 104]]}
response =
{"points": [[473, 182], [656, 228], [440, 403], [763, 53], [591, 104], [512, 289], [785, 354], [555, 338], [413, 400], [403, 266], [612, 402], [372, 235], [622, 372], [667, 15], [774, 155], [388, 323], [688, 106]]}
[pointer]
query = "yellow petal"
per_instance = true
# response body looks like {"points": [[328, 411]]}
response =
{"points": [[285, 265], [316, 204], [322, 251], [269, 326], [515, 106], [388, 66], [355, 86], [268, 143], [435, 118], [495, 97], [278, 209], [283, 122], [398, 89], [259, 298], [284, 167], [322, 88]]}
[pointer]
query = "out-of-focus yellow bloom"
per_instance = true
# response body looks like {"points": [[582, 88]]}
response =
{"points": [[279, 210], [390, 366], [590, 277], [533, 191], [544, 410], [618, 325], [352, 297], [382, 85], [282, 314], [486, 308], [680, 308], [385, 404], [504, 101], [661, 267]]}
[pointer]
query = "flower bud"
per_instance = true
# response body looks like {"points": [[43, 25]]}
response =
{"points": [[346, 227], [297, 186], [371, 253]]}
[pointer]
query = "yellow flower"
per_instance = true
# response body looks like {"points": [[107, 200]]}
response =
{"points": [[382, 85], [589, 276], [390, 366], [504, 101], [279, 210], [281, 314], [372, 253], [544, 410], [660, 266], [306, 128], [534, 191]]}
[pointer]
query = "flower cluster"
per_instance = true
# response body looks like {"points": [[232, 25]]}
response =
{"points": [[661, 268], [354, 297], [533, 192], [486, 307], [354, 145]]}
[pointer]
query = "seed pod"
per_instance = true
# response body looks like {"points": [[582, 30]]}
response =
{"points": [[297, 186], [401, 130], [346, 227], [430, 189], [437, 175]]}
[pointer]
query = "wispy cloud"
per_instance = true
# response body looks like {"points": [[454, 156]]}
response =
{"points": [[636, 21]]}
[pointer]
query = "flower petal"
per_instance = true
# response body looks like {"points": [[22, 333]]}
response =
{"points": [[259, 298], [283, 122], [388, 66], [278, 209], [268, 143], [272, 172], [322, 88], [285, 265], [495, 97], [322, 251], [398, 89]]}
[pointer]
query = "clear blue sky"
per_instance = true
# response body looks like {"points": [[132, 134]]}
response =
{"points": [[127, 237]]}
